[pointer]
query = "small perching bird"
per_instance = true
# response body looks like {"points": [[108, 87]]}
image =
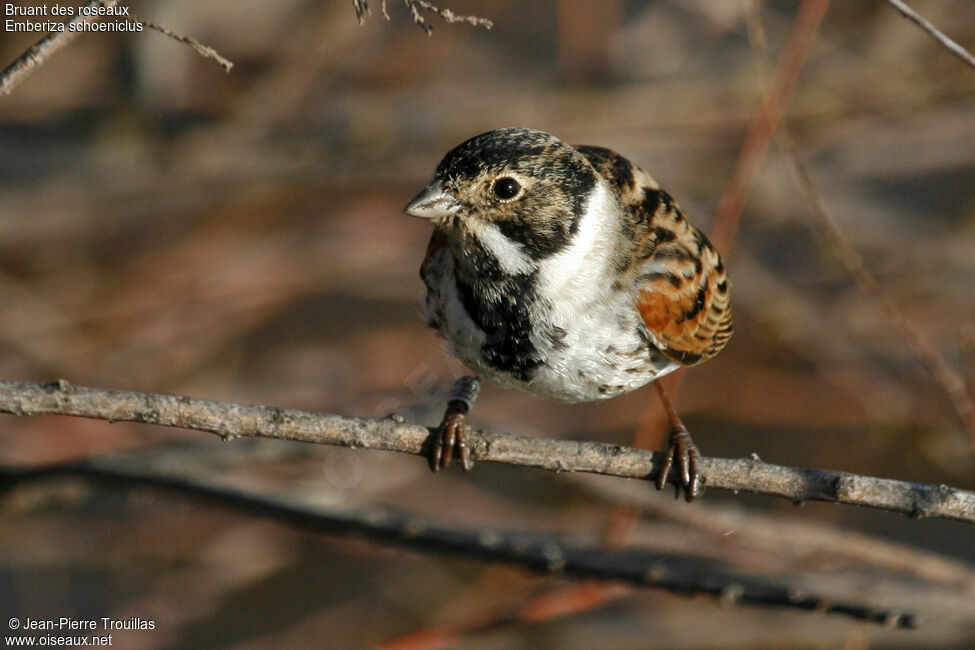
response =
{"points": [[566, 273]]}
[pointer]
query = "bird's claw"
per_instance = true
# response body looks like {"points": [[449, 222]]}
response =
{"points": [[683, 454], [451, 435]]}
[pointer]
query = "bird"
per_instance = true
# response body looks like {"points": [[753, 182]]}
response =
{"points": [[567, 273]]}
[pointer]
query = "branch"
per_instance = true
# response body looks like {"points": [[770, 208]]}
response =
{"points": [[43, 49], [680, 573], [205, 51], [417, 7], [231, 421], [933, 31], [39, 52]]}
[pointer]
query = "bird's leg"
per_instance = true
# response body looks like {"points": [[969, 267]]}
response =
{"points": [[682, 452], [451, 434]]}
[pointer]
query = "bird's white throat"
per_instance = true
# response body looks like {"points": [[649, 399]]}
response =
{"points": [[578, 272], [513, 260]]}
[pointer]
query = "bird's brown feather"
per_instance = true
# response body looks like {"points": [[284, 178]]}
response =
{"points": [[682, 289]]}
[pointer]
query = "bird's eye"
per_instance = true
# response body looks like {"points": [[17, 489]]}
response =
{"points": [[506, 188]]}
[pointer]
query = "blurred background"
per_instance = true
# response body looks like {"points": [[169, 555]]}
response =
{"points": [[168, 227]]}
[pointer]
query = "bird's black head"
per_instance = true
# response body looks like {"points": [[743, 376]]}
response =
{"points": [[529, 185]]}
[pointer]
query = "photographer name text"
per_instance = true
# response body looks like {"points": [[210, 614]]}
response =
{"points": [[104, 623]]}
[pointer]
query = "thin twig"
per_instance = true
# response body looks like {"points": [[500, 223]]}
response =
{"points": [[203, 50], [361, 10], [933, 31], [416, 8], [948, 379], [764, 122], [951, 382], [39, 52], [565, 600], [799, 541], [230, 421], [448, 16], [680, 573]]}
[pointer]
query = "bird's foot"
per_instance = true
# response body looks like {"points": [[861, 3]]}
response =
{"points": [[451, 435], [684, 456]]}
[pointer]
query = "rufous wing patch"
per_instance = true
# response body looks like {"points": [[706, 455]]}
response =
{"points": [[684, 296]]}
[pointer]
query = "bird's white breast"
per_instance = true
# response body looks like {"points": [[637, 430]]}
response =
{"points": [[602, 353]]}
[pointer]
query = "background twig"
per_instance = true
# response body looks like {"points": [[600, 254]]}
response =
{"points": [[45, 48], [764, 123], [416, 8], [683, 573], [203, 50], [950, 381], [933, 31]]}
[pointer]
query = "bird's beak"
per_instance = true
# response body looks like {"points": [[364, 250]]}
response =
{"points": [[433, 202]]}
